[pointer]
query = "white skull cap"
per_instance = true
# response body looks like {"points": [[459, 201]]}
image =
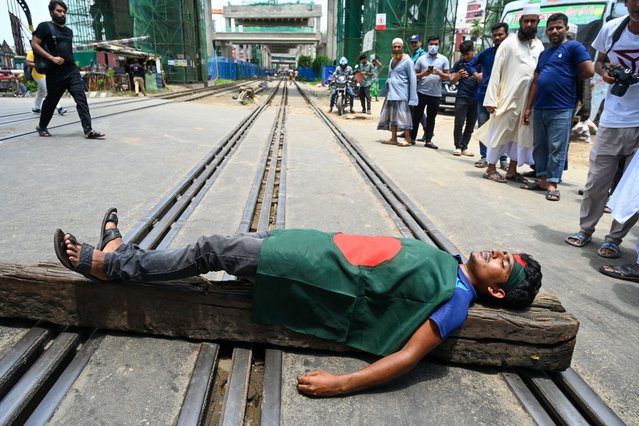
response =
{"points": [[531, 9]]}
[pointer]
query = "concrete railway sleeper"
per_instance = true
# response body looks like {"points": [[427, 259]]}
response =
{"points": [[561, 398], [185, 96]]}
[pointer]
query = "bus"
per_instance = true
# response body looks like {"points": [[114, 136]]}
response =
{"points": [[589, 16]]}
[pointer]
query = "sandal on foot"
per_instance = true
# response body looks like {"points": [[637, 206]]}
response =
{"points": [[92, 134], [86, 254], [609, 245], [628, 272], [43, 131], [390, 142], [553, 195], [581, 239], [108, 235], [495, 177], [534, 186], [517, 178]]}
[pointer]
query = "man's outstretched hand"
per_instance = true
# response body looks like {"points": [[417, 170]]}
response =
{"points": [[319, 383]]}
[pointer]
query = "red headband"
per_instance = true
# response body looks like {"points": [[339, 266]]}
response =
{"points": [[519, 260]]}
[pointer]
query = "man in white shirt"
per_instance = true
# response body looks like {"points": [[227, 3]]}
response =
{"points": [[618, 137]]}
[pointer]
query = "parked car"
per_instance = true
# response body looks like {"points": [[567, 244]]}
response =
{"points": [[449, 94], [9, 84]]}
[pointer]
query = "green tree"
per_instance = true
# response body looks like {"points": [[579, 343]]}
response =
{"points": [[476, 30], [304, 61], [319, 62]]}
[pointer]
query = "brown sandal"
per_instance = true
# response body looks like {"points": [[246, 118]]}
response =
{"points": [[494, 176]]}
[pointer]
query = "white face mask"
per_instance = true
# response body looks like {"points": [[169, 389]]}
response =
{"points": [[432, 49]]}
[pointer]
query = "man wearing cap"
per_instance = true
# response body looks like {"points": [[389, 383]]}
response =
{"points": [[430, 69], [505, 99], [313, 282], [415, 43]]}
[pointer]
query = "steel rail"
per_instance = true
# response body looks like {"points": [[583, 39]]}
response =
{"points": [[564, 399], [49, 376], [170, 100]]}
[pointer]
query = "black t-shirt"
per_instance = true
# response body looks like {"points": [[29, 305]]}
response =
{"points": [[62, 46], [137, 70]]}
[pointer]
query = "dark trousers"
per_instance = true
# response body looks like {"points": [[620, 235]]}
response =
{"points": [[56, 85], [431, 105], [465, 112], [365, 97]]}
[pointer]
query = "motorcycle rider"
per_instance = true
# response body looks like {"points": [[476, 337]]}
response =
{"points": [[343, 69]]}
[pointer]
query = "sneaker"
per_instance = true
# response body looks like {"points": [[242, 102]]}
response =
{"points": [[503, 165], [457, 152], [363, 111], [467, 153], [368, 112], [481, 163], [62, 111], [36, 110]]}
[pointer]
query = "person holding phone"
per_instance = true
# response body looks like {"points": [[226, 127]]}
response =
{"points": [[467, 80], [430, 69]]}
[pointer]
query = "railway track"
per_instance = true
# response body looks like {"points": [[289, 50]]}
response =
{"points": [[40, 368], [132, 104]]}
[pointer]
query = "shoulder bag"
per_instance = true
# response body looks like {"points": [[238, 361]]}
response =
{"points": [[42, 64]]}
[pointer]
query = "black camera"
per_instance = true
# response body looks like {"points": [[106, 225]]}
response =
{"points": [[623, 79]]}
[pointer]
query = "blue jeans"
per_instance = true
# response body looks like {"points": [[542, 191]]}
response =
{"points": [[551, 132], [482, 117], [237, 255]]}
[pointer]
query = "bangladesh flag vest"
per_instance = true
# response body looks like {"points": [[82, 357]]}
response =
{"points": [[370, 293]]}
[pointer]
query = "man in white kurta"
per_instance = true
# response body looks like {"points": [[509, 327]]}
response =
{"points": [[506, 96], [624, 204]]}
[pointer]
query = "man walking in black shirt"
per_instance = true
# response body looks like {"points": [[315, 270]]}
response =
{"points": [[53, 41]]}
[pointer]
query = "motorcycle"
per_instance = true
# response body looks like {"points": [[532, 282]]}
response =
{"points": [[341, 83]]}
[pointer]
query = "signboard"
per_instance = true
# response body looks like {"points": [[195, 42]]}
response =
{"points": [[579, 14], [380, 22], [217, 11], [369, 39]]}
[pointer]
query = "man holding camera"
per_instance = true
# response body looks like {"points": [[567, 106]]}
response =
{"points": [[618, 137]]}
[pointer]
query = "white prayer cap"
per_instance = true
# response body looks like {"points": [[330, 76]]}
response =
{"points": [[397, 40], [531, 9]]}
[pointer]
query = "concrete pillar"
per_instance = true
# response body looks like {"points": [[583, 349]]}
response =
{"points": [[331, 28]]}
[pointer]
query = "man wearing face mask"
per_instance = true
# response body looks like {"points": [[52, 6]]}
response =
{"points": [[62, 73], [430, 69], [506, 97]]}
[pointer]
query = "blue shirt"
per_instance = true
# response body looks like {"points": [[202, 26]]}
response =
{"points": [[557, 70], [466, 87], [486, 59], [451, 315]]}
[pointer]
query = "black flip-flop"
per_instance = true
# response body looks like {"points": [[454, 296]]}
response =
{"points": [[86, 254], [534, 186], [107, 235], [623, 272], [43, 131]]}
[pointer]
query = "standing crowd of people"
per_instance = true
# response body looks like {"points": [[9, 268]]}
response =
{"points": [[525, 98]]}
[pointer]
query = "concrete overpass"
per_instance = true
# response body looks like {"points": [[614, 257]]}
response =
{"points": [[290, 30]]}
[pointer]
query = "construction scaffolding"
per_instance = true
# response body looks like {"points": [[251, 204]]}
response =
{"points": [[356, 23], [176, 31]]}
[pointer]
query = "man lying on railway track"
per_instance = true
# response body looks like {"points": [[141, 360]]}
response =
{"points": [[393, 297]]}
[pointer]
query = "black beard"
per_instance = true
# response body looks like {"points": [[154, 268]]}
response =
{"points": [[60, 20], [526, 35]]}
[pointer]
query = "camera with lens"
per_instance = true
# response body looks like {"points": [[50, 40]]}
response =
{"points": [[623, 79]]}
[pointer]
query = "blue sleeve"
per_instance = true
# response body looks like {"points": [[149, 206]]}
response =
{"points": [[580, 54], [451, 315], [476, 60]]}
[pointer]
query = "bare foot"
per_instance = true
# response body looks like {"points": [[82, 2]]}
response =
{"points": [[97, 262]]}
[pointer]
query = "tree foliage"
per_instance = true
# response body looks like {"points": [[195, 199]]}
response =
{"points": [[304, 61], [320, 61]]}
